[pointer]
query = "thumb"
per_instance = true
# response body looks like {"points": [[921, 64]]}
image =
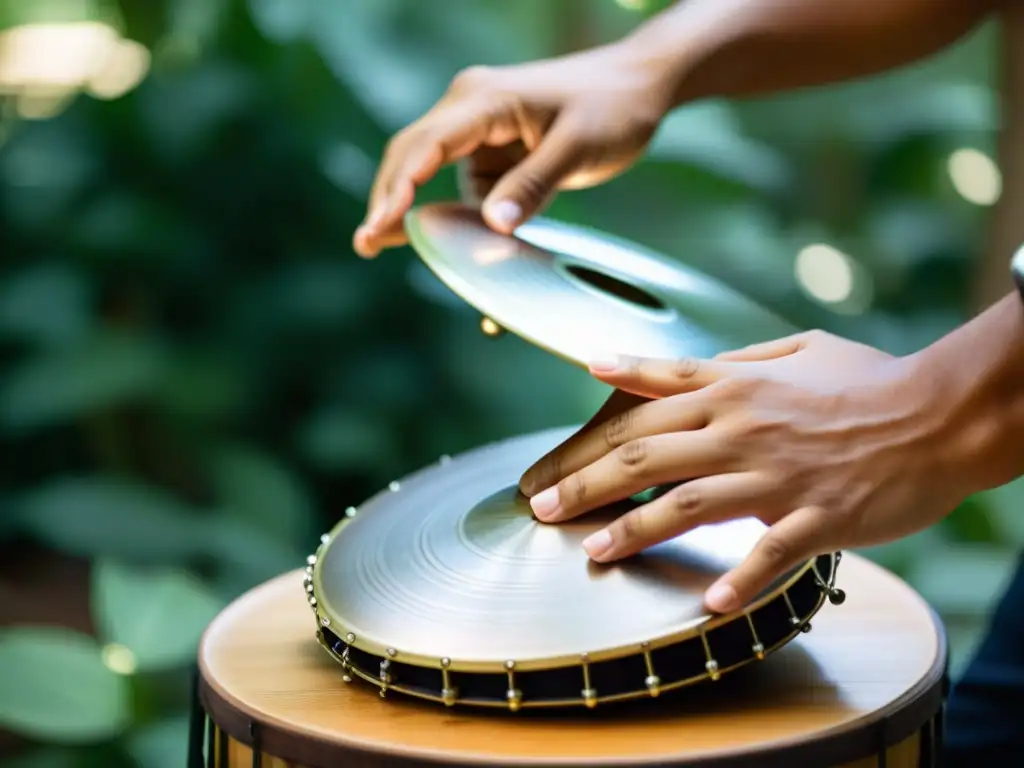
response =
{"points": [[528, 186], [791, 540]]}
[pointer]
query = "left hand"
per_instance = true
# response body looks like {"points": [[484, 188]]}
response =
{"points": [[831, 443]]}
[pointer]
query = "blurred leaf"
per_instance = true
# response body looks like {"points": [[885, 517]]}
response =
{"points": [[338, 439], [962, 580], [45, 757], [246, 556], [163, 744], [184, 111], [1005, 507], [92, 516], [63, 384], [709, 136], [47, 304], [56, 688], [259, 491], [971, 523], [157, 615]]}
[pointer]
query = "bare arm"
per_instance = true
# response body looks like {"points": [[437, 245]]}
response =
{"points": [[754, 47]]}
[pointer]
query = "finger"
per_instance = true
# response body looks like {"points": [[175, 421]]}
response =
{"points": [[769, 350], [655, 377], [633, 467], [528, 186], [791, 540], [618, 427], [477, 175], [706, 500], [413, 158]]}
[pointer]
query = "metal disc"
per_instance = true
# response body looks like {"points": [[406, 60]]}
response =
{"points": [[441, 566], [582, 294]]}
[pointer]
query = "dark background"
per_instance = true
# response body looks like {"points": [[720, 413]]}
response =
{"points": [[197, 375]]}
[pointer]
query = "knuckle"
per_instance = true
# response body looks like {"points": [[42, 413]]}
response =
{"points": [[574, 489], [776, 551], [470, 78], [734, 388], [633, 455], [685, 368], [618, 428], [547, 471], [632, 526], [685, 501], [531, 187]]}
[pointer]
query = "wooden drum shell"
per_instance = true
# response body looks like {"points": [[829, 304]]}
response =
{"points": [[864, 688]]}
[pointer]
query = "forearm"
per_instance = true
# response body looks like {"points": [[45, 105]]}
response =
{"points": [[708, 48], [974, 381]]}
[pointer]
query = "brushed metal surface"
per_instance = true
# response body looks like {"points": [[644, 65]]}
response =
{"points": [[448, 566], [540, 285]]}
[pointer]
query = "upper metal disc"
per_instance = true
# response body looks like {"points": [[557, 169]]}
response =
{"points": [[581, 294], [441, 566]]}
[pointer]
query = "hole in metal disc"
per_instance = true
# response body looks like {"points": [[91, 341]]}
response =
{"points": [[615, 287]]}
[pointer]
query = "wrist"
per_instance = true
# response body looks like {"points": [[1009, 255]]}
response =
{"points": [[974, 377], [684, 53]]}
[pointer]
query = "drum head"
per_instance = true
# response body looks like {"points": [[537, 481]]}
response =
{"points": [[441, 566], [582, 294]]}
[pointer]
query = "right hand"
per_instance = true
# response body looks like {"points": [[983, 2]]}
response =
{"points": [[526, 131]]}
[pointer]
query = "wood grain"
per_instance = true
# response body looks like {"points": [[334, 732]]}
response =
{"points": [[869, 674]]}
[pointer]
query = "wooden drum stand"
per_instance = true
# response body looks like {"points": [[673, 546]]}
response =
{"points": [[865, 688]]}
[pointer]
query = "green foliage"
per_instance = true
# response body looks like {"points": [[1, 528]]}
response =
{"points": [[57, 688], [158, 617], [197, 375]]}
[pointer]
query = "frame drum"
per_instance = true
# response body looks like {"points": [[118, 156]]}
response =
{"points": [[865, 688]]}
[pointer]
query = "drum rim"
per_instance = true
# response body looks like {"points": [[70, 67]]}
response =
{"points": [[881, 729], [589, 696], [337, 625]]}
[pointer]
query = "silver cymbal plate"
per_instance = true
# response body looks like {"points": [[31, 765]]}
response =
{"points": [[441, 565], [582, 294]]}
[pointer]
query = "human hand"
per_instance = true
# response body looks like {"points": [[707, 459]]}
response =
{"points": [[525, 131], [831, 443]]}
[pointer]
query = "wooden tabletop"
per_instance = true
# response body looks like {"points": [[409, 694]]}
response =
{"points": [[872, 661]]}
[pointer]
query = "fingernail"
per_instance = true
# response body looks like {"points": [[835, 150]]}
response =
{"points": [[720, 598], [597, 544], [545, 503], [605, 363], [505, 213]]}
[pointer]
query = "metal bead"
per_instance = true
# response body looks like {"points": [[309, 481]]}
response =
{"points": [[311, 560], [806, 628], [325, 621], [589, 697], [346, 678], [515, 699], [446, 662], [448, 696], [758, 649], [392, 652], [712, 668], [394, 486], [325, 538], [309, 587], [350, 638], [350, 512], [510, 665], [312, 601], [653, 683], [309, 571], [837, 597], [445, 459]]}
